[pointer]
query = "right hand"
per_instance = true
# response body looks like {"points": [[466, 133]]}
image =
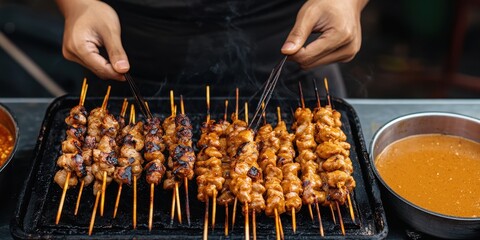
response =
{"points": [[90, 25]]}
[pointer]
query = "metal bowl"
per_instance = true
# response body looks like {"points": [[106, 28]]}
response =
{"points": [[423, 220], [8, 121]]}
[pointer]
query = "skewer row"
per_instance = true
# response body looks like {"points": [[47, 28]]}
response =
{"points": [[262, 164]]}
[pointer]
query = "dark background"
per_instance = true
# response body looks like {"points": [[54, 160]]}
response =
{"points": [[411, 49]]}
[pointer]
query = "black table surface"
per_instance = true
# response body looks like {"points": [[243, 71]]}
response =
{"points": [[373, 113]]}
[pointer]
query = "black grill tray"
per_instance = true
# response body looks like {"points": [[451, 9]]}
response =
{"points": [[38, 202]]}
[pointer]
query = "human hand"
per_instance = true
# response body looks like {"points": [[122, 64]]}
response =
{"points": [[89, 25], [338, 21]]}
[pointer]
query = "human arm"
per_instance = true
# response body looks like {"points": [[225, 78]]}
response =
{"points": [[90, 25], [338, 21]]}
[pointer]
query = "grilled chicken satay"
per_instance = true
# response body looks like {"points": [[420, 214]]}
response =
{"points": [[71, 159], [130, 159], [169, 138], [183, 157], [269, 144], [333, 150], [153, 153], [291, 184], [171, 182], [306, 145], [208, 166], [105, 154], [154, 147], [246, 176], [225, 197]]}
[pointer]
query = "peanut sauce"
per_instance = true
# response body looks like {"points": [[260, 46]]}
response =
{"points": [[440, 173], [6, 144]]}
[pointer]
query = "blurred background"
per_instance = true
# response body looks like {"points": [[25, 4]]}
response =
{"points": [[410, 49]]}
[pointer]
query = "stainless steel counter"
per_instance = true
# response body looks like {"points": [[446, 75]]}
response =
{"points": [[373, 113]]}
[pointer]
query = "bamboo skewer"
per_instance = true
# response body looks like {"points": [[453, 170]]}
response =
{"points": [[134, 202], [177, 199], [81, 101], [214, 208], [79, 197], [342, 227], [205, 221], [311, 212], [187, 202], [94, 213], [319, 219], [254, 224], [234, 212], [117, 201], [150, 212], [350, 207], [294, 221], [62, 199], [104, 187], [325, 81], [172, 212], [247, 229], [83, 95], [282, 236], [277, 225], [333, 214], [226, 219], [100, 193]]}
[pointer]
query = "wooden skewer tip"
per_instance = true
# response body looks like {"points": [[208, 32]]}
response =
{"points": [[79, 197], [62, 199], [117, 200], [150, 213]]}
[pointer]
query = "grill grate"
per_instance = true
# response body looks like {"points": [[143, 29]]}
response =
{"points": [[35, 214]]}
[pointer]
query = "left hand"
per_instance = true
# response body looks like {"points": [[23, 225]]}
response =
{"points": [[338, 21]]}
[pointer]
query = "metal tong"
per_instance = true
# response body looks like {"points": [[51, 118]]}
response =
{"points": [[138, 97], [267, 93]]}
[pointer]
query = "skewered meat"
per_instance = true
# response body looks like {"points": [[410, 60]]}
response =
{"points": [[269, 144], [291, 184], [247, 179], [169, 138], [208, 166], [60, 178], [71, 158], [226, 196], [304, 139], [333, 152], [105, 154], [154, 147], [183, 157], [130, 160]]}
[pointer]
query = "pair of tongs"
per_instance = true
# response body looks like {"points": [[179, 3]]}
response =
{"points": [[138, 97], [267, 93]]}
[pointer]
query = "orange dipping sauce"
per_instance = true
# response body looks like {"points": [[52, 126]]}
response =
{"points": [[6, 144], [440, 173]]}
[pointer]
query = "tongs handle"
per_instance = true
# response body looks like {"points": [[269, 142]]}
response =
{"points": [[138, 97], [267, 93]]}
